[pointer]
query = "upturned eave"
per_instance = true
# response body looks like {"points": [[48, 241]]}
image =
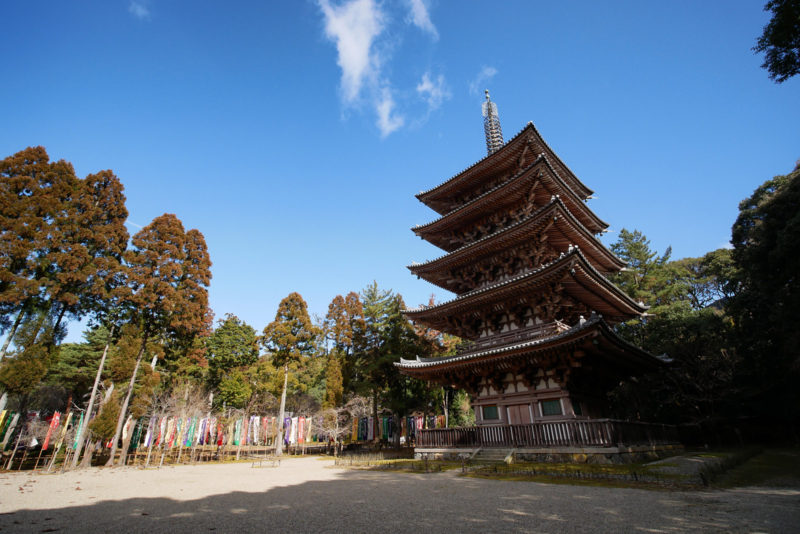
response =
{"points": [[502, 158], [501, 194], [594, 328], [571, 268], [573, 232]]}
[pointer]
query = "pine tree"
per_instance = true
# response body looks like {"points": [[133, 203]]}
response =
{"points": [[232, 345]]}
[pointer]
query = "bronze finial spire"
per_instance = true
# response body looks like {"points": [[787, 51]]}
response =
{"points": [[491, 126]]}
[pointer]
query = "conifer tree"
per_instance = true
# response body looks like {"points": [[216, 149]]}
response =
{"points": [[86, 263], [333, 381], [167, 285], [232, 345], [232, 349], [765, 238], [34, 200], [344, 328], [61, 240], [289, 338]]}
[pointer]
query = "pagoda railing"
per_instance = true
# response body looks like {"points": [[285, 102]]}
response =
{"points": [[514, 336], [555, 434]]}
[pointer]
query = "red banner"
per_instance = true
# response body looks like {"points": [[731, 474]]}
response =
{"points": [[53, 425]]}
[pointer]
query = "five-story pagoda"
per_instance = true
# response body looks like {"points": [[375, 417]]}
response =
{"points": [[532, 294]]}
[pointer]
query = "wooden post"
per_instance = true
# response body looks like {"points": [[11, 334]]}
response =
{"points": [[53, 459], [37, 459], [24, 456], [149, 450]]}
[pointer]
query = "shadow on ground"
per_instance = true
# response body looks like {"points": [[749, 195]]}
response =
{"points": [[360, 501]]}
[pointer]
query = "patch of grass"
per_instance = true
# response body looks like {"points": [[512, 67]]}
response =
{"points": [[776, 467], [713, 470], [717, 454], [576, 468], [608, 475], [594, 482], [401, 464]]}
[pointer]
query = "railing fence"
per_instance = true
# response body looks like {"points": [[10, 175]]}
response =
{"points": [[575, 433]]}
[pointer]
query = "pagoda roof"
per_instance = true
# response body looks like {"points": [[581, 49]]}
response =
{"points": [[579, 278], [586, 330], [569, 232], [503, 158], [499, 196]]}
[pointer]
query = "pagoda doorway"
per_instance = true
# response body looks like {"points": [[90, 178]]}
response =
{"points": [[519, 414]]}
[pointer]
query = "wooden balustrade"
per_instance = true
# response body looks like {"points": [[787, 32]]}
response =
{"points": [[514, 336], [572, 433]]}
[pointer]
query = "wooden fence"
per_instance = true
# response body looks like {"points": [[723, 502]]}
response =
{"points": [[573, 433]]}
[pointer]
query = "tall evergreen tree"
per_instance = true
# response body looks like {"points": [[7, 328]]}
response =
{"points": [[377, 304], [191, 322], [166, 286], [86, 262], [35, 200], [334, 388], [686, 322], [766, 237], [289, 338], [232, 345], [60, 244], [344, 328]]}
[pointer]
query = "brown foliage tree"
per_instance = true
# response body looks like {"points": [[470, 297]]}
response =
{"points": [[62, 238], [345, 328], [168, 275], [34, 199]]}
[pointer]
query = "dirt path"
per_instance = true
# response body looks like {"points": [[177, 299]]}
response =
{"points": [[308, 495]]}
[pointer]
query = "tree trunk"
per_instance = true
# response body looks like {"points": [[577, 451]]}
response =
{"points": [[124, 408], [58, 322], [92, 398], [374, 413], [126, 443], [88, 452], [281, 413], [13, 331], [45, 313]]}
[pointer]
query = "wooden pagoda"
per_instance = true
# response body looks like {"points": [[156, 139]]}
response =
{"points": [[533, 300]]}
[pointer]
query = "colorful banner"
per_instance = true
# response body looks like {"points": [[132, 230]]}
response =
{"points": [[63, 432], [53, 425], [78, 432]]}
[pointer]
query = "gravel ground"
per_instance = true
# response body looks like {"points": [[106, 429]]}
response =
{"points": [[309, 495]]}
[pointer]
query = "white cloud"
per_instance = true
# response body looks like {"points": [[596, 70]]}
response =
{"points": [[434, 92], [420, 17], [358, 30], [353, 26], [486, 74], [139, 10], [387, 122]]}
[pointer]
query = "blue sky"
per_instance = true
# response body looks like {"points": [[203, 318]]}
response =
{"points": [[294, 135]]}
